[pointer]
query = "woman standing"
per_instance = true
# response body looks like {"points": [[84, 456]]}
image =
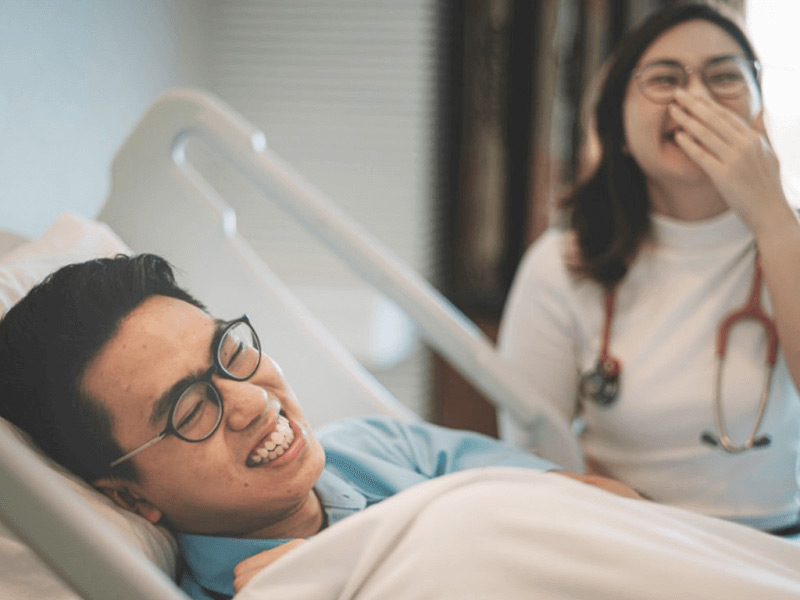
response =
{"points": [[617, 318]]}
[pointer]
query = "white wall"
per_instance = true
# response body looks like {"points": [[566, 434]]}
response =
{"points": [[772, 25], [344, 91], [74, 77]]}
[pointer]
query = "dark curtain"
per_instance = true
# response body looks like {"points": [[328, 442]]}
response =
{"points": [[510, 112]]}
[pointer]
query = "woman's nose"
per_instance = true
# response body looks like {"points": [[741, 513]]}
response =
{"points": [[245, 403], [695, 85]]}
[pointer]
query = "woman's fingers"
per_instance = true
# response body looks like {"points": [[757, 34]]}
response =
{"points": [[736, 156], [698, 130], [710, 163], [724, 122]]}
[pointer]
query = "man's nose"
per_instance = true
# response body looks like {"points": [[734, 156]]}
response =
{"points": [[245, 403]]}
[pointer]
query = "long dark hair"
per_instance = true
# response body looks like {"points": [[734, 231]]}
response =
{"points": [[610, 211]]}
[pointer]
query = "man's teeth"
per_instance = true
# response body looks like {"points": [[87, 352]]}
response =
{"points": [[275, 444]]}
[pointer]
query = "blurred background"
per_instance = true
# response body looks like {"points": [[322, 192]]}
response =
{"points": [[446, 128]]}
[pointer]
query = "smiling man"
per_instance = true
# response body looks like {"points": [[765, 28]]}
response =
{"points": [[182, 419], [188, 377]]}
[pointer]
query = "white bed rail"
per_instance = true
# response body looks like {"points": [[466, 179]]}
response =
{"points": [[93, 559], [179, 115]]}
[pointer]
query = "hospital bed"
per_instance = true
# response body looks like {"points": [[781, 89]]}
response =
{"points": [[161, 201]]}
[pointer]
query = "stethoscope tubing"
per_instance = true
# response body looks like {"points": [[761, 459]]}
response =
{"points": [[722, 438], [609, 368], [753, 311]]}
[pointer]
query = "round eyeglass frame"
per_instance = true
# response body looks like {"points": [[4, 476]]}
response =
{"points": [[752, 66], [216, 368]]}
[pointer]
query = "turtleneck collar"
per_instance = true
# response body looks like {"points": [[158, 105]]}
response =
{"points": [[721, 229]]}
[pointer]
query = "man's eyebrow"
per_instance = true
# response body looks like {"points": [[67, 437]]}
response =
{"points": [[165, 402]]}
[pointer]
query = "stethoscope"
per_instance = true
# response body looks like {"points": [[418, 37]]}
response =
{"points": [[601, 384]]}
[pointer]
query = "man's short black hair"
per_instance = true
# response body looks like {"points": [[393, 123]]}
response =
{"points": [[48, 339]]}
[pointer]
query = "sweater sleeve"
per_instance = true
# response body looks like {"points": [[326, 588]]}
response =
{"points": [[537, 334]]}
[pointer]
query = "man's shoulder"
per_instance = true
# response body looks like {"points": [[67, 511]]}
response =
{"points": [[359, 428], [378, 438]]}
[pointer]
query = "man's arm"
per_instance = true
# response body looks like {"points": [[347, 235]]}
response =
{"points": [[432, 451]]}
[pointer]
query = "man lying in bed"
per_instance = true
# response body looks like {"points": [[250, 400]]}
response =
{"points": [[124, 378]]}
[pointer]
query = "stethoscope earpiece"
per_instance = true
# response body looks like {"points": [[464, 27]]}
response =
{"points": [[763, 442], [708, 438]]}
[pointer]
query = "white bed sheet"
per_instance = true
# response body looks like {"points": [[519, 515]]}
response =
{"points": [[512, 533]]}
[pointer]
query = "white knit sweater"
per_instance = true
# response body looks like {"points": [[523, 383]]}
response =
{"points": [[668, 309]]}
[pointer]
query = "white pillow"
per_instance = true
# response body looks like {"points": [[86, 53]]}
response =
{"points": [[69, 239]]}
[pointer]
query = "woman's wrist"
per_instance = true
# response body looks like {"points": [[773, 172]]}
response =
{"points": [[776, 225]]}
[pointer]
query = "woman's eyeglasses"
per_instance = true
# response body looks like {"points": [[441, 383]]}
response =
{"points": [[724, 77]]}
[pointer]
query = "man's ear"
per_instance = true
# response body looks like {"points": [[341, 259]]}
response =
{"points": [[126, 495]]}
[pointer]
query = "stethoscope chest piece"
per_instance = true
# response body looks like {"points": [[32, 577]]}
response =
{"points": [[601, 384]]}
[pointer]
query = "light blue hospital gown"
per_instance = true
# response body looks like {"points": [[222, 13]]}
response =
{"points": [[367, 460]]}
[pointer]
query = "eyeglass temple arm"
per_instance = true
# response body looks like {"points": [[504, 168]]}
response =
{"points": [[133, 453]]}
